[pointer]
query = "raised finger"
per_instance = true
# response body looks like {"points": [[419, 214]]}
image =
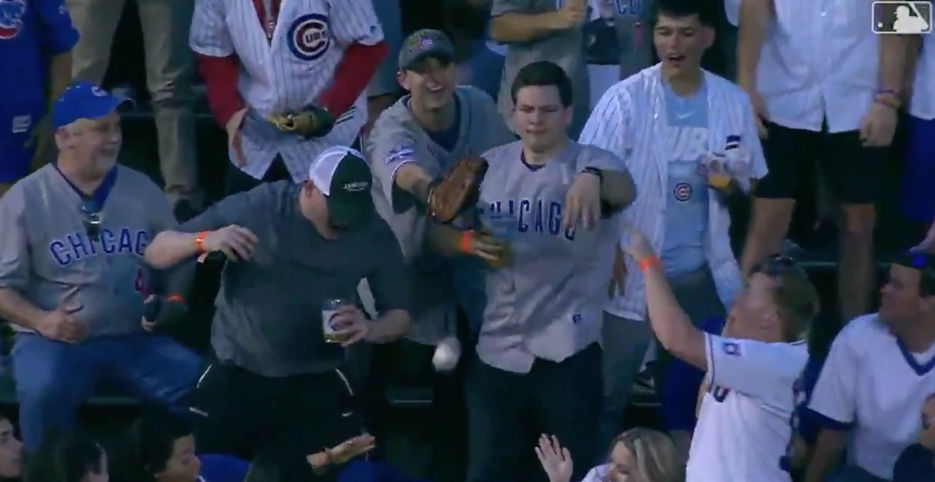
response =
{"points": [[555, 445]]}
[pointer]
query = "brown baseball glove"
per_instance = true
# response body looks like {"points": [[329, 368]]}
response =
{"points": [[457, 189], [313, 121]]}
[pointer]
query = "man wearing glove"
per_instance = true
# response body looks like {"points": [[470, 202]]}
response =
{"points": [[412, 144], [548, 209], [72, 277], [276, 393], [286, 79]]}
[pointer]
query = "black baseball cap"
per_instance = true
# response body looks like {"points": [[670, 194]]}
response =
{"points": [[344, 177], [423, 44]]}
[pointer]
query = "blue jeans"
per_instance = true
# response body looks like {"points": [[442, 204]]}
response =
{"points": [[54, 378]]}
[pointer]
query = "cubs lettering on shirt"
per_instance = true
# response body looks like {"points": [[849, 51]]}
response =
{"points": [[289, 71], [47, 254], [743, 425], [548, 300], [75, 246]]}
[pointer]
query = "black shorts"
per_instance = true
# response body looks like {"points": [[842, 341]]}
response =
{"points": [[853, 172], [275, 422]]}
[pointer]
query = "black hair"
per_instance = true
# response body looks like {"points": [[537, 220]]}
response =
{"points": [[925, 264], [65, 458], [704, 9], [544, 73], [153, 437]]}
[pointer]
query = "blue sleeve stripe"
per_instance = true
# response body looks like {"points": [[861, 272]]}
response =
{"points": [[827, 422]]}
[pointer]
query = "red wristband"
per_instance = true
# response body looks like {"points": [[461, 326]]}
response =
{"points": [[200, 242], [649, 262], [467, 240], [176, 297]]}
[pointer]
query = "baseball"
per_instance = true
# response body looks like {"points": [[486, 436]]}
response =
{"points": [[447, 353]]}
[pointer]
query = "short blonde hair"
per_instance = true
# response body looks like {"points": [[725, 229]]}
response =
{"points": [[657, 458]]}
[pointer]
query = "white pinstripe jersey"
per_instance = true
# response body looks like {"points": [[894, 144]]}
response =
{"points": [[819, 61], [626, 121], [923, 87], [288, 72]]}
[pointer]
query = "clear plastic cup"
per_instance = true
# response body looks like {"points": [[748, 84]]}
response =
{"points": [[329, 310]]}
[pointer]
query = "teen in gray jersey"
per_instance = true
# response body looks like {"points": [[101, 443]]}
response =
{"points": [[276, 393], [538, 357], [543, 30], [72, 276], [415, 141]]}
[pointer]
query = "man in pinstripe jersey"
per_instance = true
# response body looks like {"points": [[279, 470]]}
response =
{"points": [[705, 123], [263, 58]]}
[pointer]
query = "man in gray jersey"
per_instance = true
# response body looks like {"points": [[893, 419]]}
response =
{"points": [[412, 143], [538, 365], [542, 30], [276, 393], [72, 277]]}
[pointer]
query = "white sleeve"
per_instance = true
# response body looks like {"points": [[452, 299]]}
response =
{"points": [[763, 370], [608, 125], [209, 34], [355, 21], [834, 394]]}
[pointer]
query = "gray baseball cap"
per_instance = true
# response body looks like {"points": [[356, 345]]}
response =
{"points": [[425, 43]]}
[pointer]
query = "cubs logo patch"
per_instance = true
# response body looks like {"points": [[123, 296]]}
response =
{"points": [[731, 348], [12, 13], [682, 191], [309, 37]]}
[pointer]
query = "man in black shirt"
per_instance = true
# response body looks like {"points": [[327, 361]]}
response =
{"points": [[276, 393]]}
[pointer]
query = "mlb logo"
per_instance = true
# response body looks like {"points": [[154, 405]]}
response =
{"points": [[904, 17]]}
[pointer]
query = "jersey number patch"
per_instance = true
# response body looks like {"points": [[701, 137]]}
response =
{"points": [[309, 37], [139, 282]]}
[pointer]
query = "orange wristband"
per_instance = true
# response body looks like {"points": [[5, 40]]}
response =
{"points": [[200, 242], [467, 238], [176, 297], [648, 262]]}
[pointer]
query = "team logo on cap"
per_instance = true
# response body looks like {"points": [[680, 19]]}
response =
{"points": [[426, 43], [682, 191], [309, 37], [99, 92], [12, 13], [356, 186]]}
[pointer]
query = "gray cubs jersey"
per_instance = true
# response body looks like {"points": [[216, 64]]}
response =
{"points": [[565, 49], [547, 301], [633, 22], [396, 139], [47, 254]]}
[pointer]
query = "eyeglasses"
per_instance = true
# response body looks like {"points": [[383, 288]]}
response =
{"points": [[92, 219]]}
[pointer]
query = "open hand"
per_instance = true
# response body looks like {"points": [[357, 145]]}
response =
{"points": [[555, 459], [343, 452], [583, 202], [488, 248]]}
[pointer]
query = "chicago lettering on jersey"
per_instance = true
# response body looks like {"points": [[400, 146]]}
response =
{"points": [[77, 245], [719, 393], [538, 216]]}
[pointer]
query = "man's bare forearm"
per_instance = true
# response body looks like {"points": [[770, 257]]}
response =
{"points": [[669, 321], [169, 248], [617, 189], [827, 453], [393, 325], [515, 27], [17, 309], [59, 74], [413, 179], [755, 16], [893, 59]]}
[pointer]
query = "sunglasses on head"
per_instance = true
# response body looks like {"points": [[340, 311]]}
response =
{"points": [[777, 264], [92, 219]]}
